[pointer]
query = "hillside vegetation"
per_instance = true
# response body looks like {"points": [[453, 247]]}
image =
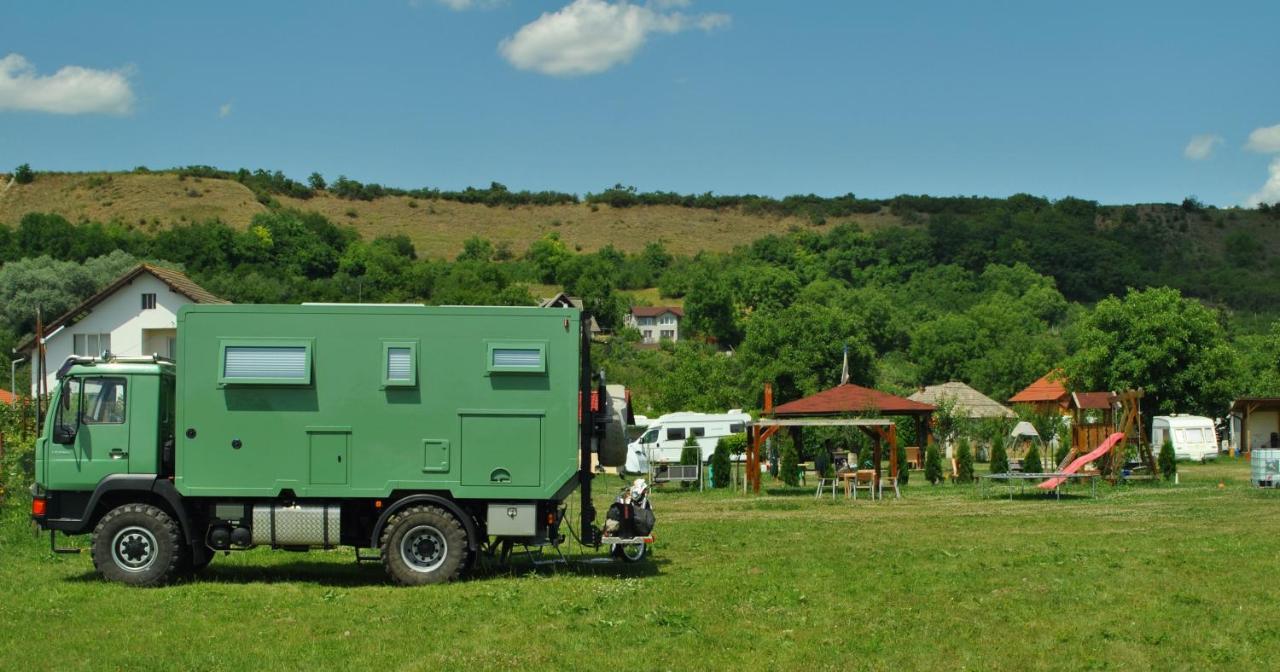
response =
{"points": [[1178, 299]]}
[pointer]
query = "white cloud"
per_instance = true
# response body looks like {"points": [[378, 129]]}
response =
{"points": [[224, 110], [590, 36], [1265, 140], [70, 90], [1270, 192], [1201, 146]]}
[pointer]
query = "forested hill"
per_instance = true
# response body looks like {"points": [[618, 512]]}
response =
{"points": [[994, 292]]}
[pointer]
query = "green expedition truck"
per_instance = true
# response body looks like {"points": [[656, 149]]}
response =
{"points": [[424, 432]]}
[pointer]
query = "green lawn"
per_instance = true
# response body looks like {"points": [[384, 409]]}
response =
{"points": [[1143, 577]]}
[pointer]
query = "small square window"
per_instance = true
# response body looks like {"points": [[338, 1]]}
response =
{"points": [[148, 301], [675, 434], [399, 363], [698, 431]]}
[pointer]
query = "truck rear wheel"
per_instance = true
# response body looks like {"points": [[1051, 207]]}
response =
{"points": [[423, 544], [138, 544]]}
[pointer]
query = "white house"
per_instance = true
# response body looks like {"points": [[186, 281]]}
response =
{"points": [[135, 315], [656, 323]]}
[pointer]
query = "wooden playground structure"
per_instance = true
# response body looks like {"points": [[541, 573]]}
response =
{"points": [[1122, 414]]}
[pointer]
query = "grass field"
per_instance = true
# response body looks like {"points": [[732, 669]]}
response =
{"points": [[1173, 577]]}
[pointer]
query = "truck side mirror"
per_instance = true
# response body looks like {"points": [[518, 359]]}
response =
{"points": [[64, 434]]}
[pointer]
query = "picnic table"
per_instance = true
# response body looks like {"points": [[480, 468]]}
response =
{"points": [[1022, 478]]}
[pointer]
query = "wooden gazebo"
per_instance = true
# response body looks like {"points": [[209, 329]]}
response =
{"points": [[840, 405]]}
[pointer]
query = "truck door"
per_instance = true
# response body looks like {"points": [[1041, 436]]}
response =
{"points": [[101, 444]]}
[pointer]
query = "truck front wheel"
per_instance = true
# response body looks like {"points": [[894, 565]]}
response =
{"points": [[423, 544], [138, 544]]}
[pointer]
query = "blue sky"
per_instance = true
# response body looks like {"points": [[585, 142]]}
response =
{"points": [[1093, 99]]}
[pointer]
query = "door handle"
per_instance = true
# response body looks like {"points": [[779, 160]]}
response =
{"points": [[118, 454]]}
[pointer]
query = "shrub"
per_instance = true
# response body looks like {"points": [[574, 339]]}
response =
{"points": [[773, 461], [1064, 447], [904, 474], [964, 461], [1167, 462], [23, 174], [789, 465], [999, 459], [1031, 462], [822, 463], [933, 464], [720, 464], [690, 454]]}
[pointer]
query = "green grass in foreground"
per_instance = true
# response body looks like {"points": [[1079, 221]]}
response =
{"points": [[1144, 577]]}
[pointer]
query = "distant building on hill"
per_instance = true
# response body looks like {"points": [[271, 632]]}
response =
{"points": [[656, 323], [563, 300]]}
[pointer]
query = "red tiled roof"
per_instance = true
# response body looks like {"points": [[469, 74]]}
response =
{"points": [[6, 397], [1048, 387], [850, 398], [1093, 400], [654, 311]]}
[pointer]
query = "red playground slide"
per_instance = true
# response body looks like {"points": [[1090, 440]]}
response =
{"points": [[1079, 462]]}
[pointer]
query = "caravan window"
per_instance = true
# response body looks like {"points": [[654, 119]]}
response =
{"points": [[1181, 436], [737, 428], [265, 361], [399, 363], [698, 431], [675, 434]]}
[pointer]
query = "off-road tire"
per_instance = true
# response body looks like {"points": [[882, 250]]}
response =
{"points": [[441, 554], [144, 536]]}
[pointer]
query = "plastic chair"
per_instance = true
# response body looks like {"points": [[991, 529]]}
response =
{"points": [[824, 481], [893, 482]]}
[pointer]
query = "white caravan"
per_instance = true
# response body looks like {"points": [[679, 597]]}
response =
{"points": [[1193, 436], [663, 440]]}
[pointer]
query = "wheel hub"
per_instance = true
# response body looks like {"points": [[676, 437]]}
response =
{"points": [[424, 548], [133, 549]]}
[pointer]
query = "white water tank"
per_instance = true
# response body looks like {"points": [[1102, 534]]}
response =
{"points": [[1266, 467]]}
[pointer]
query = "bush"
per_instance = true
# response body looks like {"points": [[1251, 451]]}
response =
{"points": [[690, 454], [904, 474], [822, 463], [1031, 462], [773, 461], [964, 461], [789, 465], [933, 464], [1064, 447], [23, 174], [1167, 462], [999, 459], [720, 464]]}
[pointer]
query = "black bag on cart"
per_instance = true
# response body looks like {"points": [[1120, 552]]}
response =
{"points": [[642, 521]]}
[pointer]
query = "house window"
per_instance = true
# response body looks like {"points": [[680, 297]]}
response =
{"points": [[675, 434], [400, 363], [90, 345], [148, 301], [265, 362], [648, 335], [517, 357], [668, 334]]}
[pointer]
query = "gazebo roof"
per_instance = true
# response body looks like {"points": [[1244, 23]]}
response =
{"points": [[1048, 387], [969, 401], [850, 398]]}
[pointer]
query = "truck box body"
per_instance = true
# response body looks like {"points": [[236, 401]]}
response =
{"points": [[341, 401]]}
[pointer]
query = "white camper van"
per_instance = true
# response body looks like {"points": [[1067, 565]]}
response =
{"points": [[1193, 436], [663, 440]]}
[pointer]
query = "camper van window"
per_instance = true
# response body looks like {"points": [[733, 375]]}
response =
{"points": [[698, 431], [265, 361], [737, 428], [1182, 436], [649, 436], [675, 434]]}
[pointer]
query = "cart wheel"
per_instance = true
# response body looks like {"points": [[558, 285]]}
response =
{"points": [[630, 552]]}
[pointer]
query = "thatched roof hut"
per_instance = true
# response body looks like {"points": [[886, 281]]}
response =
{"points": [[969, 402]]}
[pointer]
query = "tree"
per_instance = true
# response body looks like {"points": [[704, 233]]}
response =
{"points": [[476, 248], [316, 181], [1173, 348], [999, 459], [690, 453], [933, 464], [1031, 461], [904, 474], [789, 465], [721, 465], [964, 461], [23, 174], [1168, 462]]}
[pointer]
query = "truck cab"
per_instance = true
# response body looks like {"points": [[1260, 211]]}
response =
{"points": [[108, 420]]}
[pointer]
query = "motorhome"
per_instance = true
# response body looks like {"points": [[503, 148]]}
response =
{"points": [[1193, 436], [664, 439]]}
